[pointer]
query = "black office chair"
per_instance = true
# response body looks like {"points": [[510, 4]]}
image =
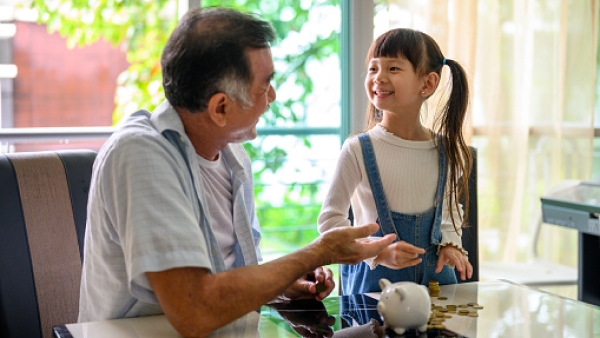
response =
{"points": [[43, 203], [470, 240]]}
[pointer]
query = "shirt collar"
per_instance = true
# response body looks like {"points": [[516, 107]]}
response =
{"points": [[165, 117]]}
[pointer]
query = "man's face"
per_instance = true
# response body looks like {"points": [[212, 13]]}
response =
{"points": [[261, 94]]}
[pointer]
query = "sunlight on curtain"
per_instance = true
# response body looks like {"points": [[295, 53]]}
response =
{"points": [[531, 66]]}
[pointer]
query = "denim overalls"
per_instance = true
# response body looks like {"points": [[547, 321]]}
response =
{"points": [[422, 230]]}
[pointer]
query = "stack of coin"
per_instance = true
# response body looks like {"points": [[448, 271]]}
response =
{"points": [[434, 288]]}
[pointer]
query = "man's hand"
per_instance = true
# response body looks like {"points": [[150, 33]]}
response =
{"points": [[187, 294], [400, 255], [341, 245], [450, 254], [306, 287]]}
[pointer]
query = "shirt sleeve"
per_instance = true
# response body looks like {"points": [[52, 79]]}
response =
{"points": [[450, 235], [149, 196], [336, 206]]}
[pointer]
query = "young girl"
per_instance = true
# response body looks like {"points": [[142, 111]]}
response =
{"points": [[399, 173]]}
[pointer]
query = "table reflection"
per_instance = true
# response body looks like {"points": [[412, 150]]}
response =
{"points": [[339, 317]]}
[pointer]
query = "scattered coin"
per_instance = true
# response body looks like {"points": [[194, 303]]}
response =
{"points": [[441, 313]]}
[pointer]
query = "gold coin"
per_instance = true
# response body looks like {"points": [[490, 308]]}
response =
{"points": [[451, 306], [443, 310], [320, 287], [463, 305], [478, 307], [430, 326], [439, 326], [463, 311], [442, 298]]}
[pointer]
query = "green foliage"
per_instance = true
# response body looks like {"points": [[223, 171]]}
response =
{"points": [[141, 29]]}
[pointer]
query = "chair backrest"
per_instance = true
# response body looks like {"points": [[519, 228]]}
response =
{"points": [[43, 201], [470, 240]]}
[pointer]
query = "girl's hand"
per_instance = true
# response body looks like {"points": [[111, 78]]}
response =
{"points": [[400, 255], [452, 256]]}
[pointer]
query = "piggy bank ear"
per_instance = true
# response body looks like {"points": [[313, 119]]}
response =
{"points": [[384, 283], [402, 293]]}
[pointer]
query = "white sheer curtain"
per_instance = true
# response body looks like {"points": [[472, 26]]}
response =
{"points": [[532, 71]]}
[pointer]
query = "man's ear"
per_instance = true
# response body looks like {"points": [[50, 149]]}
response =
{"points": [[217, 108], [430, 83]]}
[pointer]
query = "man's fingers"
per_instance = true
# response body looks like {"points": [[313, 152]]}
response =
{"points": [[407, 247], [322, 274], [375, 246], [366, 230]]}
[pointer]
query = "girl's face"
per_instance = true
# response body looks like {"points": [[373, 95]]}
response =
{"points": [[393, 86]]}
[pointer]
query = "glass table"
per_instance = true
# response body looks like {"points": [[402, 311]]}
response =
{"points": [[507, 310]]}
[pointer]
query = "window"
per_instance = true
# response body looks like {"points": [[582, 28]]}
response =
{"points": [[305, 121]]}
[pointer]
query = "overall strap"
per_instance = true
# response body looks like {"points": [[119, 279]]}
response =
{"points": [[383, 208], [439, 196]]}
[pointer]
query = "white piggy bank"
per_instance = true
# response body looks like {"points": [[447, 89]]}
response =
{"points": [[404, 305]]}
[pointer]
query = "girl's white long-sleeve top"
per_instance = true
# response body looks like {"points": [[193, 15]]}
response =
{"points": [[409, 173]]}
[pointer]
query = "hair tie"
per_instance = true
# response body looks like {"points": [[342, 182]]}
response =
{"points": [[444, 62]]}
